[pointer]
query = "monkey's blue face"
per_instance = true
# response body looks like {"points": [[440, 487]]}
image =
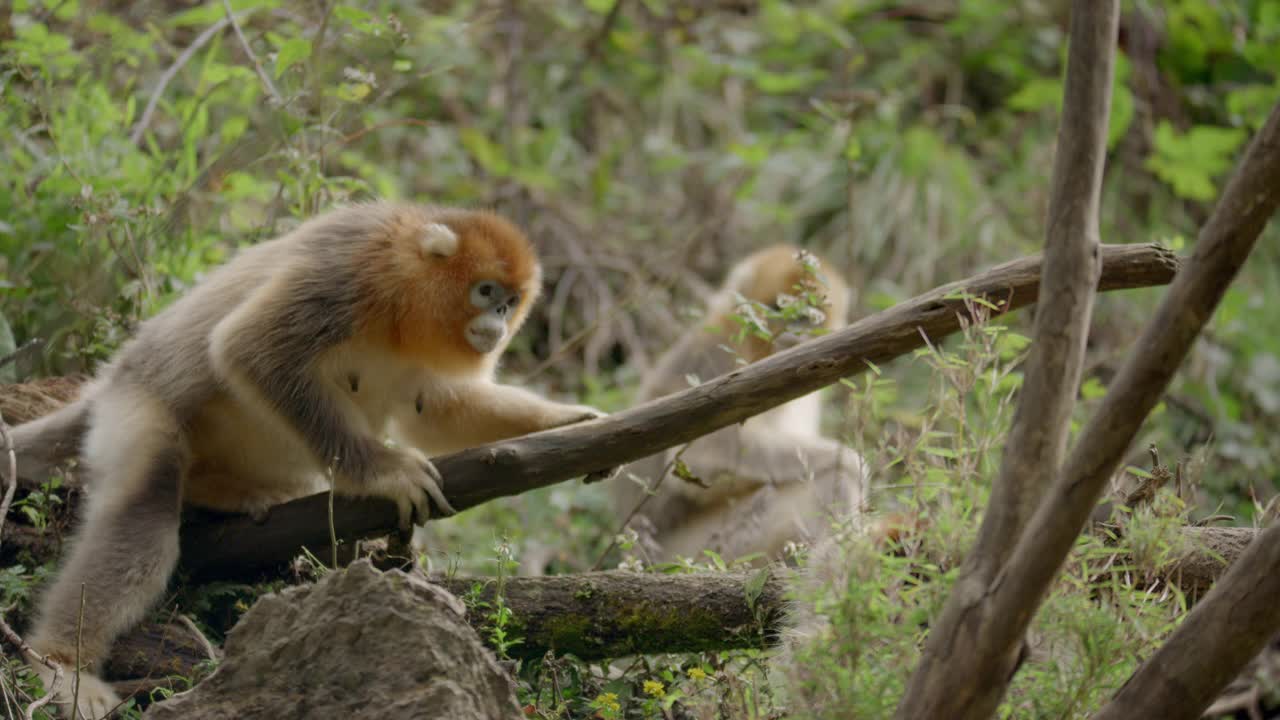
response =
{"points": [[497, 305]]}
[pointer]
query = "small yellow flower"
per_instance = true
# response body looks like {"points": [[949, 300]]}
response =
{"points": [[607, 701], [697, 673], [654, 688]]}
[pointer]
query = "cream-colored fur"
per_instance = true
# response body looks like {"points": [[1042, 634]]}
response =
{"points": [[772, 480]]}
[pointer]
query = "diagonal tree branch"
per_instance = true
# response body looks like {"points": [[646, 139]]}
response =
{"points": [[236, 546], [1038, 438], [1001, 618]]}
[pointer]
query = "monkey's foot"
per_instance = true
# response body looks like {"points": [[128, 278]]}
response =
{"points": [[410, 483], [94, 698]]}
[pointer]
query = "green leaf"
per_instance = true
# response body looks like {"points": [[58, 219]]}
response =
{"points": [[353, 92], [716, 560], [483, 151], [754, 586], [233, 127], [1190, 161], [1138, 472], [781, 83], [1037, 94], [293, 51], [1092, 389]]}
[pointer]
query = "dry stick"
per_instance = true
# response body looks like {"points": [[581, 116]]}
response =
{"points": [[253, 58], [25, 347], [1037, 440], [75, 682], [183, 58], [236, 546], [1000, 620], [1240, 614], [649, 492]]}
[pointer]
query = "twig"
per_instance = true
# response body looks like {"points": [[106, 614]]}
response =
{"points": [[191, 626], [333, 533], [253, 58], [27, 651], [315, 78], [185, 56], [393, 122], [13, 356], [1037, 440], [649, 492], [75, 683], [11, 478], [593, 45]]}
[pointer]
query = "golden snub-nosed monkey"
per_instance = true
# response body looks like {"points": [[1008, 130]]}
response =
{"points": [[298, 356], [775, 478]]}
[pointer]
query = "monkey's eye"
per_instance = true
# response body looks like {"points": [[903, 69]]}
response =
{"points": [[483, 293]]}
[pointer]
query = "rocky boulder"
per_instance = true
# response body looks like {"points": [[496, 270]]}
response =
{"points": [[358, 644]]}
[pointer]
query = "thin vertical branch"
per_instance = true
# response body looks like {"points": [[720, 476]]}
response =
{"points": [[185, 56], [1037, 442], [253, 58], [10, 478], [75, 683]]}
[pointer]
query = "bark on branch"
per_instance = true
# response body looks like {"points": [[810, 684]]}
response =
{"points": [[1037, 440], [238, 547]]}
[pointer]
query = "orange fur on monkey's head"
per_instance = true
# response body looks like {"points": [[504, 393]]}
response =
{"points": [[779, 271], [458, 285]]}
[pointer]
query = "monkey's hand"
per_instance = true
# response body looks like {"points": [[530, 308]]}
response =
{"points": [[584, 413], [408, 478]]}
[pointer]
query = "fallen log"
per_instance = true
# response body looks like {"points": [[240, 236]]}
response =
{"points": [[600, 615]]}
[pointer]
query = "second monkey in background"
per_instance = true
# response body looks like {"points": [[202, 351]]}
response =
{"points": [[773, 479]]}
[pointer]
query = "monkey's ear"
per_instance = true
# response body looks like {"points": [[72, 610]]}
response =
{"points": [[439, 239]]}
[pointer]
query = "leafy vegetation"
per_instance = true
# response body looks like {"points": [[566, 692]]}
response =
{"points": [[646, 144]]}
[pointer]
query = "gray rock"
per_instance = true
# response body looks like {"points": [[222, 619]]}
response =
{"points": [[358, 644]]}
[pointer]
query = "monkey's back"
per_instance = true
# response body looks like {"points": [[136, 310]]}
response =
{"points": [[169, 354]]}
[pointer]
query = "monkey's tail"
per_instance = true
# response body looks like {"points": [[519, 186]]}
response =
{"points": [[47, 442]]}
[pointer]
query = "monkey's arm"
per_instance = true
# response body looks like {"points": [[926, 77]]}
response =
{"points": [[441, 421], [268, 350]]}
